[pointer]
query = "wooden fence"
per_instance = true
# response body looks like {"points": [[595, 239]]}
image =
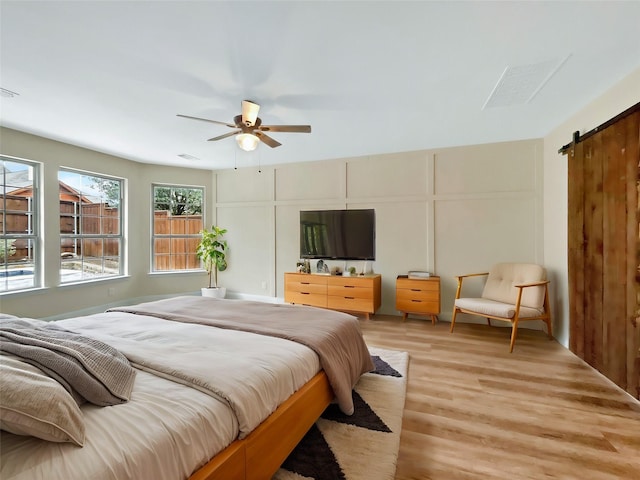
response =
{"points": [[170, 253]]}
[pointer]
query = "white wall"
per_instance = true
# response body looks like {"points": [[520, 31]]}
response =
{"points": [[449, 211], [622, 96], [54, 299]]}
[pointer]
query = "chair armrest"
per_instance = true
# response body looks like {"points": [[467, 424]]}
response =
{"points": [[521, 288], [533, 284], [472, 275], [460, 278]]}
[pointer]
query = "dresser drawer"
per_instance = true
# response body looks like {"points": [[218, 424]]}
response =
{"points": [[352, 304], [305, 279], [311, 299], [350, 291], [416, 305], [418, 295], [303, 287], [427, 285], [358, 281]]}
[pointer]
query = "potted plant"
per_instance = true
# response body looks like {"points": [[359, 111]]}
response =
{"points": [[212, 250]]}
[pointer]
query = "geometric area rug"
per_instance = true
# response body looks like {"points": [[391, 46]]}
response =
{"points": [[363, 446]]}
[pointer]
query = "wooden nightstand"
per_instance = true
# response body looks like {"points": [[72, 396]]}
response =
{"points": [[418, 296]]}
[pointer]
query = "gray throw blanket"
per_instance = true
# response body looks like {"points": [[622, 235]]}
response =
{"points": [[334, 336], [88, 369]]}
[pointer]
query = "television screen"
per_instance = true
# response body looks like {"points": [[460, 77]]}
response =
{"points": [[338, 234]]}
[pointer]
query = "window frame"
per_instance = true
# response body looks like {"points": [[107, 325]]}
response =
{"points": [[34, 238], [79, 222], [175, 237]]}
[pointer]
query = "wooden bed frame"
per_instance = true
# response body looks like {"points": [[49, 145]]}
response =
{"points": [[260, 454]]}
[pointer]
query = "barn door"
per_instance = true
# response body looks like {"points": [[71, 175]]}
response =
{"points": [[604, 246]]}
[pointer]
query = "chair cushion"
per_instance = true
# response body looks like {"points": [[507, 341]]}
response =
{"points": [[483, 306], [502, 278]]}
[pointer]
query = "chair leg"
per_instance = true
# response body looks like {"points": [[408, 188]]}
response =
{"points": [[549, 331], [488, 321], [548, 312], [453, 319], [514, 333]]}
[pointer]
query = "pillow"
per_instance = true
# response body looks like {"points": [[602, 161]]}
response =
{"points": [[34, 404]]}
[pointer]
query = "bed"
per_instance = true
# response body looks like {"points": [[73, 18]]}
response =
{"points": [[223, 389]]}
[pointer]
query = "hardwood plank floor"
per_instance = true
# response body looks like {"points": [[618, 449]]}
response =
{"points": [[475, 411]]}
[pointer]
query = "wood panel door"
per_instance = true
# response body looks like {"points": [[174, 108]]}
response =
{"points": [[603, 250]]}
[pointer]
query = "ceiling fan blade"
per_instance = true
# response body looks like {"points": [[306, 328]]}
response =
{"points": [[249, 112], [230, 125], [286, 128], [235, 132], [267, 139]]}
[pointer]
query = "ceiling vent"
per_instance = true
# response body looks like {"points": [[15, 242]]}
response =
{"points": [[186, 156], [518, 85], [7, 93]]}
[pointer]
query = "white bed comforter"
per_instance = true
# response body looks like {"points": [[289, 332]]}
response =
{"points": [[206, 387], [252, 373], [165, 432]]}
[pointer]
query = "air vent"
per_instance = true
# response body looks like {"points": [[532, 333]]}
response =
{"points": [[7, 93], [186, 156], [519, 84]]}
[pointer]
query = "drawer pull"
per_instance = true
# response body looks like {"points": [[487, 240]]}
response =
{"points": [[304, 293], [416, 290], [305, 283], [349, 298], [417, 301], [349, 286]]}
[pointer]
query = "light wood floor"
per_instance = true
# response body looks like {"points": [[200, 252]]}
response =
{"points": [[474, 411]]}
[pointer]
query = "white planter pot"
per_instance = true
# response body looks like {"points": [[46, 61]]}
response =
{"points": [[215, 292]]}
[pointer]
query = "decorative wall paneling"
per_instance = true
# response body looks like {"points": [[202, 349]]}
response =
{"points": [[436, 210]]}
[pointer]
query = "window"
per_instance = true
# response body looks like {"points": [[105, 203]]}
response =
{"points": [[18, 224], [90, 226], [177, 222]]}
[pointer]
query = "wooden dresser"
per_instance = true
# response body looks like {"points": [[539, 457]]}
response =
{"points": [[359, 294], [419, 296]]}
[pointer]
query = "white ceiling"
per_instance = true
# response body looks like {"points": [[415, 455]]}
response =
{"points": [[369, 77]]}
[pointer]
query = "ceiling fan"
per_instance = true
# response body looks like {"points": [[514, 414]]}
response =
{"points": [[249, 130]]}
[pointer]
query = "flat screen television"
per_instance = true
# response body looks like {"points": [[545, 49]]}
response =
{"points": [[338, 234]]}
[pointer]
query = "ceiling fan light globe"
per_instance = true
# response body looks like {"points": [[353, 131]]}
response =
{"points": [[247, 141]]}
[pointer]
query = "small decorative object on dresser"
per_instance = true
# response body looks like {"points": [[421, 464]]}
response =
{"points": [[417, 274], [322, 268], [418, 295]]}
